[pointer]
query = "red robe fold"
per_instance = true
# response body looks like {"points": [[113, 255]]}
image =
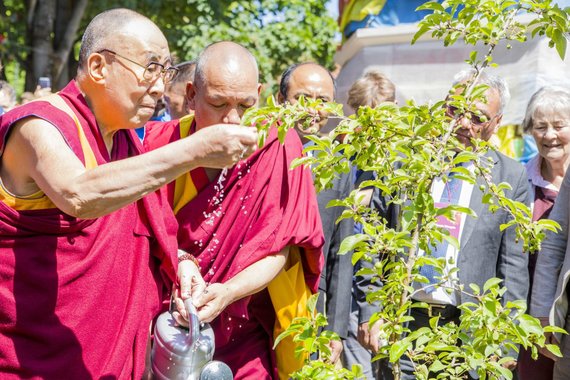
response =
{"points": [[77, 296], [260, 207]]}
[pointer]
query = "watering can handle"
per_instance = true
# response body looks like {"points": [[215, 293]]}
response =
{"points": [[193, 321]]}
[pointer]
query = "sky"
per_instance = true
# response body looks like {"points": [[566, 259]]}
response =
{"points": [[332, 6]]}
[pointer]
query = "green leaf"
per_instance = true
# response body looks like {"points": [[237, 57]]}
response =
{"points": [[491, 283], [431, 5], [423, 29], [555, 349], [555, 329], [398, 349], [560, 43], [530, 324], [349, 243], [452, 240], [475, 288], [283, 335], [312, 303]]}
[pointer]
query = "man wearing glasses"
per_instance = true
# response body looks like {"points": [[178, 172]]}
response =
{"points": [[485, 250], [88, 250]]}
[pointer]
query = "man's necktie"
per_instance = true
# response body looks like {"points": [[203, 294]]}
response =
{"points": [[450, 195]]}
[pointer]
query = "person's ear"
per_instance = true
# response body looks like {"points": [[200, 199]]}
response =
{"points": [[191, 95], [97, 68], [280, 98]]}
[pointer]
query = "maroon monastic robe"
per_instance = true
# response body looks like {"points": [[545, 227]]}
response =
{"points": [[260, 207], [77, 296]]}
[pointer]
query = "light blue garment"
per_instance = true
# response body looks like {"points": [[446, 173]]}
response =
{"points": [[529, 149], [450, 195]]}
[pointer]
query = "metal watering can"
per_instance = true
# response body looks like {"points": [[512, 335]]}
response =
{"points": [[185, 354]]}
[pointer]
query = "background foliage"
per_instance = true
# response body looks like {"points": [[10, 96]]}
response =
{"points": [[34, 34]]}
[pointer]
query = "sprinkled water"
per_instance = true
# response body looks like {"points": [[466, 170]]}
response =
{"points": [[216, 210]]}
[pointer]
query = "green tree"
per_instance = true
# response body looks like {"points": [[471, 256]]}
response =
{"points": [[409, 147], [39, 36], [279, 33], [43, 37]]}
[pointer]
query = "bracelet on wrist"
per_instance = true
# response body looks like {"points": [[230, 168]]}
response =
{"points": [[189, 256]]}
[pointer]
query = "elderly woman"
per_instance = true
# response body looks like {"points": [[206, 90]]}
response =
{"points": [[547, 119]]}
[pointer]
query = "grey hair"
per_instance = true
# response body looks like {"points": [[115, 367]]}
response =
{"points": [[547, 96], [493, 81]]}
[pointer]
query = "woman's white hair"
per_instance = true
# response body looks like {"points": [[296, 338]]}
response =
{"points": [[547, 97]]}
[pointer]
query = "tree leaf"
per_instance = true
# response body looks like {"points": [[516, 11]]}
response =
{"points": [[560, 42], [398, 349], [490, 283], [350, 242]]}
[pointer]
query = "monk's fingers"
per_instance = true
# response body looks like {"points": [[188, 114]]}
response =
{"points": [[179, 319], [205, 297], [198, 287], [188, 275], [208, 313], [181, 309]]}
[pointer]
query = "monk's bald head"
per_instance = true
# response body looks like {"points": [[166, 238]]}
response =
{"points": [[226, 84], [106, 29], [226, 58]]}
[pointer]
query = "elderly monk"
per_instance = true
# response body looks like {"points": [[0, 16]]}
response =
{"points": [[86, 260], [255, 230]]}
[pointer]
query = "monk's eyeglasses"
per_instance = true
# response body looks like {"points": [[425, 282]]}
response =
{"points": [[152, 71]]}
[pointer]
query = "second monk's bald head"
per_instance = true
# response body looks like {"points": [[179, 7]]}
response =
{"points": [[226, 58]]}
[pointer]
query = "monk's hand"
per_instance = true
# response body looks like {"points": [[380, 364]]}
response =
{"points": [[213, 300], [190, 284], [550, 339], [369, 336], [223, 145]]}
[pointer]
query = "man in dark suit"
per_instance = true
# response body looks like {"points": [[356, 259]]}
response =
{"points": [[315, 82], [485, 251]]}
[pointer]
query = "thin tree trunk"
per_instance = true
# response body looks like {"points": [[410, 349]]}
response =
{"points": [[65, 37], [40, 31]]}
